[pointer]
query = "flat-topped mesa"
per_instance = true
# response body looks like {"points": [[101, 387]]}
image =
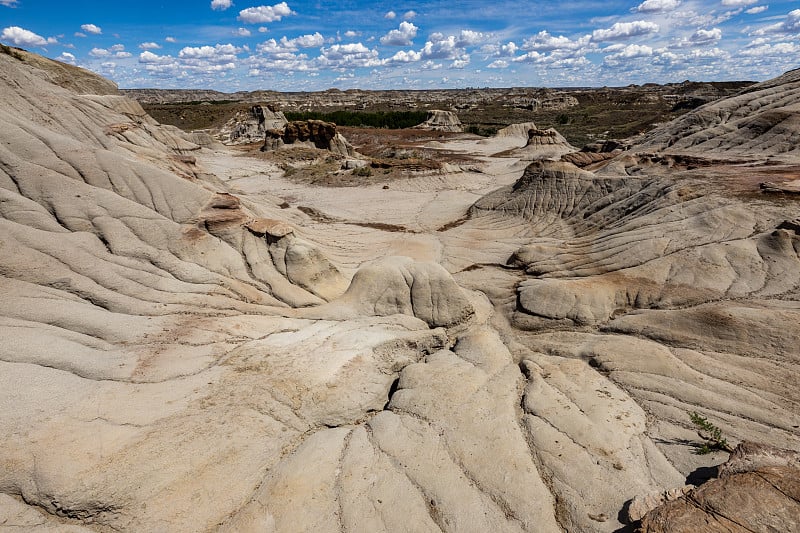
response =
{"points": [[439, 120], [247, 127], [313, 133]]}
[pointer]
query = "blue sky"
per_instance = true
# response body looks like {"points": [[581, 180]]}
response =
{"points": [[231, 45]]}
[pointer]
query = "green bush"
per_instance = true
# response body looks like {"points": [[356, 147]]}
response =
{"points": [[363, 172], [711, 435]]}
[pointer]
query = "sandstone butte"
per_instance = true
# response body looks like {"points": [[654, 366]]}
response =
{"points": [[192, 341]]}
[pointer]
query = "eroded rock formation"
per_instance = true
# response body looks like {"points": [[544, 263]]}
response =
{"points": [[439, 120], [247, 127]]}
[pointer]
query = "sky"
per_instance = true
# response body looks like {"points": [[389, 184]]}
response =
{"points": [[233, 45]]}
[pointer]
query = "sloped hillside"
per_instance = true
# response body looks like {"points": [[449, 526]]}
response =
{"points": [[761, 123]]}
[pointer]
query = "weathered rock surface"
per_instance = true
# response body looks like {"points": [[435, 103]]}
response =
{"points": [[758, 490], [543, 144], [439, 120], [247, 127], [312, 133], [761, 123]]}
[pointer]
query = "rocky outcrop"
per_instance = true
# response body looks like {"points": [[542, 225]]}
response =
{"points": [[543, 144], [313, 133], [439, 120], [761, 123], [757, 490], [248, 127], [594, 153], [401, 285]]}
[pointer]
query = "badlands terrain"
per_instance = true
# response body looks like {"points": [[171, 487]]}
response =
{"points": [[430, 332]]}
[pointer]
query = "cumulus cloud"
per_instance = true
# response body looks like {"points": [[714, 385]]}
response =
{"points": [[149, 58], [350, 34], [221, 53], [311, 40], [402, 36], [408, 15], [221, 5], [66, 57], [391, 15], [625, 30], [262, 14], [705, 37], [9, 3], [22, 37], [91, 28], [242, 32], [404, 56], [756, 10], [352, 55], [151, 45], [544, 41], [657, 6], [171, 40], [789, 25], [99, 52], [738, 3]]}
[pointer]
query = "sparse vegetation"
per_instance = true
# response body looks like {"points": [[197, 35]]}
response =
{"points": [[11, 52], [393, 120], [363, 172], [711, 435]]}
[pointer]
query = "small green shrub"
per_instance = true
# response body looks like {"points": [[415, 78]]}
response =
{"points": [[363, 172], [711, 435]]}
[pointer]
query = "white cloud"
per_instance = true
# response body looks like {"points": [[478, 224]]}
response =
{"points": [[148, 57], [79, 34], [403, 36], [657, 6], [66, 57], [756, 10], [221, 53], [242, 32], [408, 15], [625, 30], [171, 40], [312, 40], [22, 37], [263, 29], [632, 51], [499, 63], [543, 41], [262, 14], [91, 28], [790, 25], [352, 55], [777, 49], [350, 34], [99, 52], [738, 3], [221, 5], [403, 56], [9, 3], [706, 37], [151, 46], [470, 38], [391, 15]]}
